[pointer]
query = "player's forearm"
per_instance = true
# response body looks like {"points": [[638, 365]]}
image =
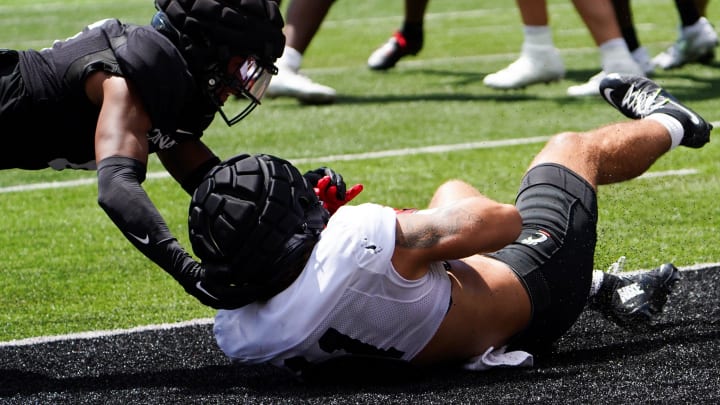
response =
{"points": [[130, 208], [482, 225]]}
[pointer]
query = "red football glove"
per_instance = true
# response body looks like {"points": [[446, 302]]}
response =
{"points": [[333, 198]]}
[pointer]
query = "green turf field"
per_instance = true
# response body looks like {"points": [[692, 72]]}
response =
{"points": [[66, 268]]}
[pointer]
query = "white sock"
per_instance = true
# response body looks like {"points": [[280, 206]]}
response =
{"points": [[673, 126], [291, 59], [615, 57], [538, 35], [597, 280]]}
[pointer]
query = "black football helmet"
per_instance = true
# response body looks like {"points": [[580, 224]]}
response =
{"points": [[253, 221], [230, 46]]}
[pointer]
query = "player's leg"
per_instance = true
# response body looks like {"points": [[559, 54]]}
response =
{"points": [[451, 191], [302, 21], [622, 151], [615, 57], [696, 41], [408, 40], [626, 22], [539, 61], [608, 154]]}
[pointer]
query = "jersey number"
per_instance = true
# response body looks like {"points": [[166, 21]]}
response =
{"points": [[332, 340]]}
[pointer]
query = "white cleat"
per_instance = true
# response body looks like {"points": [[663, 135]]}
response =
{"points": [[536, 64], [592, 86], [289, 83], [695, 43], [589, 88]]}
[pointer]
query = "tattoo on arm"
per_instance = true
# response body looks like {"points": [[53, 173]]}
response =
{"points": [[428, 232]]}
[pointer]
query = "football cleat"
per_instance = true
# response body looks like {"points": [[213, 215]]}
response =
{"points": [[626, 65], [633, 301], [589, 88], [637, 97], [695, 43], [536, 64], [397, 47], [592, 87], [289, 83]]}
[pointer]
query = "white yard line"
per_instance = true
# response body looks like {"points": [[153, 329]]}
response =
{"points": [[423, 150]]}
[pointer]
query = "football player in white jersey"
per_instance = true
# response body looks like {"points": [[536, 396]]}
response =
{"points": [[468, 280]]}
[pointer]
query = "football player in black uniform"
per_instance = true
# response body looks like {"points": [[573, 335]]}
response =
{"points": [[114, 93]]}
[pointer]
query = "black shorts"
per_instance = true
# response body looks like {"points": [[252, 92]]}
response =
{"points": [[553, 256]]}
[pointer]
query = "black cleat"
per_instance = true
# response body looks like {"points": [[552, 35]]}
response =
{"points": [[397, 47], [633, 301], [637, 97]]}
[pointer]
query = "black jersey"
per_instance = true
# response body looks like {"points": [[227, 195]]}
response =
{"points": [[54, 123]]}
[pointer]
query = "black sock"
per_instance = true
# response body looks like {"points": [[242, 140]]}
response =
{"points": [[689, 14], [413, 32], [630, 38]]}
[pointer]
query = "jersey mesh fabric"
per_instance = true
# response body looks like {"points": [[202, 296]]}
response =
{"points": [[348, 300]]}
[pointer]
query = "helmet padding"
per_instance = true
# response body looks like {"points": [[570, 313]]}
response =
{"points": [[258, 217], [215, 30]]}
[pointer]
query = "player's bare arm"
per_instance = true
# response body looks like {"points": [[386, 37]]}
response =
{"points": [[183, 158], [123, 123], [466, 227]]}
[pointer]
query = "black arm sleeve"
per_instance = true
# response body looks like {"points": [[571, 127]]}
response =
{"points": [[130, 208]]}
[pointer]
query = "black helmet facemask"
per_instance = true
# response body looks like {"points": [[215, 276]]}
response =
{"points": [[243, 78]]}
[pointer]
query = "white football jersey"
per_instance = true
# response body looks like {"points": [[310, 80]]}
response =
{"points": [[348, 300]]}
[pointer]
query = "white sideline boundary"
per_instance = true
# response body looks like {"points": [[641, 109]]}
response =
{"points": [[194, 322], [104, 333]]}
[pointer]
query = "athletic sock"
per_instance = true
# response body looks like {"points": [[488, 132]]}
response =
{"points": [[689, 14], [538, 35], [614, 54], [412, 31], [673, 126], [291, 59], [597, 281]]}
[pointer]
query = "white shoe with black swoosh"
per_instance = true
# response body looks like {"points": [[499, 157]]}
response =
{"points": [[637, 97]]}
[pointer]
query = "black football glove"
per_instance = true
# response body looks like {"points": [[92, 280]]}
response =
{"points": [[330, 188], [211, 285]]}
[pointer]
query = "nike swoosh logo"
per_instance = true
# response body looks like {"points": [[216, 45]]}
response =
{"points": [[144, 240], [538, 238], [199, 286], [607, 93], [693, 117]]}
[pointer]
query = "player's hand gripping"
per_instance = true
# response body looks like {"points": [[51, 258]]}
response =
{"points": [[330, 188]]}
